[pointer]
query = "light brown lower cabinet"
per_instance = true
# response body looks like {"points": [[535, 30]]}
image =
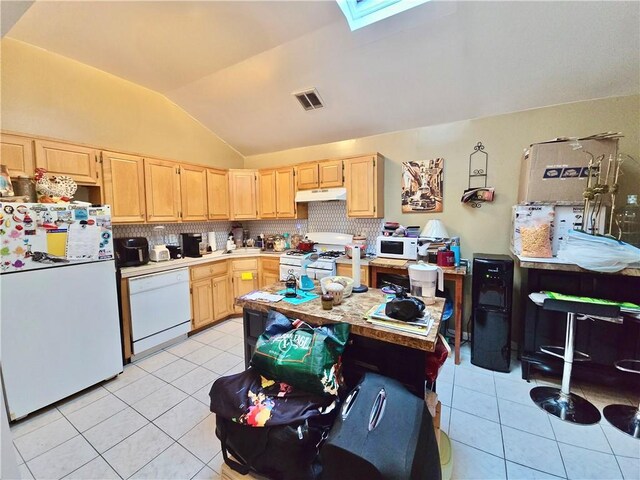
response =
{"points": [[269, 271], [222, 299], [345, 270], [244, 277], [202, 303], [211, 298], [243, 283]]}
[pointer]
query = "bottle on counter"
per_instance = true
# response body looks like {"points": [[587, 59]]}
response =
{"points": [[327, 301], [455, 248], [231, 244]]}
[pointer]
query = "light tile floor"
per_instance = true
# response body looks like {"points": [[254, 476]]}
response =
{"points": [[153, 421]]}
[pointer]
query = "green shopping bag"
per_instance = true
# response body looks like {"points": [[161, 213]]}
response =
{"points": [[305, 357]]}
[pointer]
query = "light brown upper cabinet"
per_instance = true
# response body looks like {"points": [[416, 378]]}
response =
{"points": [[277, 194], [242, 189], [267, 194], [218, 194], [364, 180], [124, 187], [286, 206], [307, 176], [162, 190], [323, 174], [330, 174], [16, 153], [76, 161], [193, 192]]}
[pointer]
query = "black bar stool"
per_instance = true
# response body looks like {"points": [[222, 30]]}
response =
{"points": [[560, 402], [625, 417]]}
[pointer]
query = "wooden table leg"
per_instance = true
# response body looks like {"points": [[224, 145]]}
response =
{"points": [[459, 292]]}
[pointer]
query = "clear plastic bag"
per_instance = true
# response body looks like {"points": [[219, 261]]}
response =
{"points": [[535, 237], [600, 254]]}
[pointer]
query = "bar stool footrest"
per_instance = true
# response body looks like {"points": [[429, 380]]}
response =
{"points": [[570, 408], [628, 365], [624, 417], [558, 351]]}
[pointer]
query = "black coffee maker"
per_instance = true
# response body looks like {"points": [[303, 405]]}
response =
{"points": [[191, 244]]}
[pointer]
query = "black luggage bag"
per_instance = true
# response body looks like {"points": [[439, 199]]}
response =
{"points": [[269, 427], [382, 432]]}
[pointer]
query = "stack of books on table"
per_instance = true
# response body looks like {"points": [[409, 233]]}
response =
{"points": [[420, 326]]}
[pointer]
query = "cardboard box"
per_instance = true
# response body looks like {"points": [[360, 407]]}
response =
{"points": [[522, 214], [554, 172], [561, 217]]}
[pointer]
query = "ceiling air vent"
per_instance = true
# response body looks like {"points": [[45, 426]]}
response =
{"points": [[309, 99]]}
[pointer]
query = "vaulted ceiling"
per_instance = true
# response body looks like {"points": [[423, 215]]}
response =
{"points": [[234, 65]]}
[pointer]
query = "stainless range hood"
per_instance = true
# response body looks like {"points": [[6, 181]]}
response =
{"points": [[321, 195]]}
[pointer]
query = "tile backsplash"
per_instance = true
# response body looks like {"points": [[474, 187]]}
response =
{"points": [[221, 228], [332, 217], [323, 217]]}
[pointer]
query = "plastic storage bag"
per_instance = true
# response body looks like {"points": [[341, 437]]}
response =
{"points": [[536, 239], [300, 355], [600, 254]]}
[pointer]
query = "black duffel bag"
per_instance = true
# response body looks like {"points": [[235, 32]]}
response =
{"points": [[269, 427]]}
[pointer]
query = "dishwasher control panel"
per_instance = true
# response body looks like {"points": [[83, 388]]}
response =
{"points": [[158, 280]]}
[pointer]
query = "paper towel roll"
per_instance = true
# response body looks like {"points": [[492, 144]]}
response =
{"points": [[211, 240], [355, 265]]}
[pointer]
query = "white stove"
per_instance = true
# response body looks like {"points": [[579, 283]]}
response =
{"points": [[320, 263]]}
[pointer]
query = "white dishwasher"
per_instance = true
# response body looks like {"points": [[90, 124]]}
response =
{"points": [[160, 308]]}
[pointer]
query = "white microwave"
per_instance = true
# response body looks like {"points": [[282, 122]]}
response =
{"points": [[397, 247]]}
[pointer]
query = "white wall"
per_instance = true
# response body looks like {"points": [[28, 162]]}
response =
{"points": [[505, 136], [50, 95], [486, 229]]}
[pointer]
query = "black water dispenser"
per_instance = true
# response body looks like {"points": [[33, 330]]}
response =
{"points": [[491, 294]]}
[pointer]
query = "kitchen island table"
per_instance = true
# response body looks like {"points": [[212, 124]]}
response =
{"points": [[390, 352], [380, 266]]}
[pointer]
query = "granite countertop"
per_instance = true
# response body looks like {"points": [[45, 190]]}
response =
{"points": [[364, 262], [373, 261], [156, 267], [404, 265], [352, 310], [369, 261], [556, 264]]}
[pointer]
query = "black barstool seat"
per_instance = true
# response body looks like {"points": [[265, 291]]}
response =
{"points": [[625, 417], [560, 402]]}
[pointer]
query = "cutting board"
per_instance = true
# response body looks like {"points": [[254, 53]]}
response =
{"points": [[388, 262]]}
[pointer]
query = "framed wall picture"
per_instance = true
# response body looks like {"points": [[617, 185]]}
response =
{"points": [[422, 186]]}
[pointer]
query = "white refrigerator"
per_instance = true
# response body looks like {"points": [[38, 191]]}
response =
{"points": [[59, 323]]}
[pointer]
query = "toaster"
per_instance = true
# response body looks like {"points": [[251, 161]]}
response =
{"points": [[159, 253]]}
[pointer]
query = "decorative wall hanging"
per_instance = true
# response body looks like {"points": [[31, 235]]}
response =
{"points": [[422, 186], [477, 191]]}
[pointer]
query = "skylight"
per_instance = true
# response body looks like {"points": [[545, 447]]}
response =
{"points": [[361, 13]]}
